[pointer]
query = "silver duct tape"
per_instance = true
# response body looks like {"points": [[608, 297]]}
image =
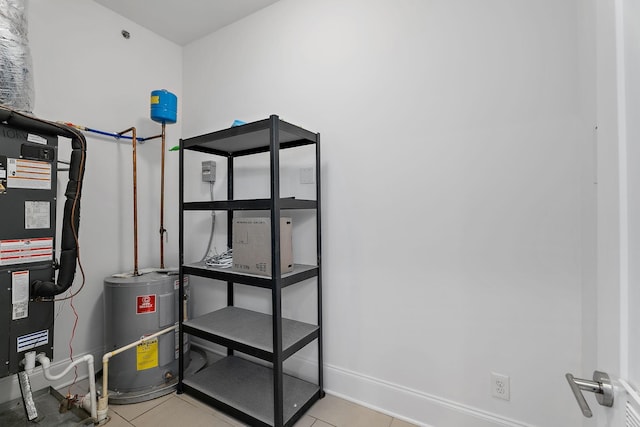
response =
{"points": [[16, 75], [27, 396]]}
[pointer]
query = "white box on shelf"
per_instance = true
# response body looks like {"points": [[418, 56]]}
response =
{"points": [[252, 245]]}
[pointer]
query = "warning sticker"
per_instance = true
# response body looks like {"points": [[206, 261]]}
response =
{"points": [[147, 355], [176, 339], [145, 304], [20, 294], [176, 283], [3, 174], [29, 174], [37, 215], [23, 251], [37, 139]]}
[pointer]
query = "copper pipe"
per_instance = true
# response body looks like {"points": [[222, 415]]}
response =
{"points": [[135, 199], [162, 229]]}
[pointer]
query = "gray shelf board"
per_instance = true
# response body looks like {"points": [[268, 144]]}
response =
{"points": [[251, 328], [250, 279], [288, 203], [248, 387], [251, 136]]}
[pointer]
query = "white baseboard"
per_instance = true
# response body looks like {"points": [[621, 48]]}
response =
{"points": [[10, 388], [395, 400], [400, 402]]}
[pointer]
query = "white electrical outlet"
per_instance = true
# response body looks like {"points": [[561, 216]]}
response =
{"points": [[500, 386]]}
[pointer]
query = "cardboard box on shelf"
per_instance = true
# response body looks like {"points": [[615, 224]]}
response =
{"points": [[252, 245]]}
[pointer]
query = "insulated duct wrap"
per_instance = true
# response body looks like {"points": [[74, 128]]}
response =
{"points": [[16, 76]]}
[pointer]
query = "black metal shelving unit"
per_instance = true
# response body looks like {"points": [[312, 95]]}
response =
{"points": [[260, 394]]}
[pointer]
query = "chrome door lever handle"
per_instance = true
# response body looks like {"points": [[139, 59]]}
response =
{"points": [[601, 386]]}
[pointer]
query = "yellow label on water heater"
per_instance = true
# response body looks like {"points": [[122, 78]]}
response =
{"points": [[147, 355], [155, 99]]}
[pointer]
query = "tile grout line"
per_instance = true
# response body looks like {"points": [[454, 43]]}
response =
{"points": [[323, 421], [141, 414], [207, 409]]}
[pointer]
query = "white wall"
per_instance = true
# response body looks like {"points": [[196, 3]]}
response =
{"points": [[453, 138], [453, 141], [587, 136], [632, 110], [87, 73]]}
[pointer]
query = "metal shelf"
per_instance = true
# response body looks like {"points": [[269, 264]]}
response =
{"points": [[245, 390], [249, 205], [250, 332], [258, 395], [300, 272]]}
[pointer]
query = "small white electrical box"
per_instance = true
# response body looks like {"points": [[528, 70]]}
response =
{"points": [[209, 171]]}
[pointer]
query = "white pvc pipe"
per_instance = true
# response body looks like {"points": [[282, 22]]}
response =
{"points": [[29, 361], [103, 403], [46, 363]]}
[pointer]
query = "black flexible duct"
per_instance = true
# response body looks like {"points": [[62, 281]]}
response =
{"points": [[71, 219]]}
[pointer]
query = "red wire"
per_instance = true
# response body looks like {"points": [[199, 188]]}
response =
{"points": [[73, 333]]}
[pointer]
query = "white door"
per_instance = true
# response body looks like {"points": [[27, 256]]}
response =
{"points": [[611, 304]]}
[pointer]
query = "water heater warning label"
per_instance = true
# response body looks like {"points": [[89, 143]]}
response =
{"points": [[147, 355], [145, 304]]}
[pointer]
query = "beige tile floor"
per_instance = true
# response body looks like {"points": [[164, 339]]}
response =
{"points": [[183, 410]]}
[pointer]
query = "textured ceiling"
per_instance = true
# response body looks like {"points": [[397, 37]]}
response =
{"points": [[183, 21]]}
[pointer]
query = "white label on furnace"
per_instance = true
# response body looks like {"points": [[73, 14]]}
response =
{"points": [[23, 251], [20, 294], [37, 139], [37, 215], [28, 174]]}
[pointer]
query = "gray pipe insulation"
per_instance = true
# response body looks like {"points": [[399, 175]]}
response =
{"points": [[16, 74]]}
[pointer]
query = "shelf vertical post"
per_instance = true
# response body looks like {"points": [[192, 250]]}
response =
{"points": [[230, 222], [181, 271], [276, 300], [319, 261], [230, 287]]}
